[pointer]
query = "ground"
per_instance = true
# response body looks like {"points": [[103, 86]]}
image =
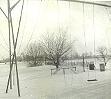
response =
{"points": [[37, 83]]}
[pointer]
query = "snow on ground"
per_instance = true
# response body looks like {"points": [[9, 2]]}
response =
{"points": [[37, 83]]}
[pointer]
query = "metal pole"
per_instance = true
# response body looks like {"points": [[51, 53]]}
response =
{"points": [[9, 74], [9, 44], [83, 64], [14, 45], [86, 2], [15, 54]]}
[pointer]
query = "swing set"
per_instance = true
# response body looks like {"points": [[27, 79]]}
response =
{"points": [[12, 55]]}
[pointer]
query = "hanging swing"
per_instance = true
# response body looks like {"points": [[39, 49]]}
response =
{"points": [[90, 66], [72, 66]]}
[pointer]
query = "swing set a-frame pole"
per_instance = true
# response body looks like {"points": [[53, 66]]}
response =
{"points": [[9, 43], [14, 57]]}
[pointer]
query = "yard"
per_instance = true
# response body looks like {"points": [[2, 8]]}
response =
{"points": [[37, 83]]}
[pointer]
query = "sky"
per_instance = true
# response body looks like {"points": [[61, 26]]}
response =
{"points": [[48, 16]]}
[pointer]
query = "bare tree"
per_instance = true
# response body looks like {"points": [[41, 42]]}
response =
{"points": [[102, 54], [56, 46], [34, 53]]}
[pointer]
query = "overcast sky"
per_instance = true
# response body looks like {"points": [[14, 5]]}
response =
{"points": [[49, 15]]}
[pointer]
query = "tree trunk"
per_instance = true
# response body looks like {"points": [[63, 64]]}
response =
{"points": [[35, 62], [57, 63], [105, 61], [57, 66]]}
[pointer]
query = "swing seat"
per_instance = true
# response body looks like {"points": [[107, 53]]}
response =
{"points": [[92, 80]]}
